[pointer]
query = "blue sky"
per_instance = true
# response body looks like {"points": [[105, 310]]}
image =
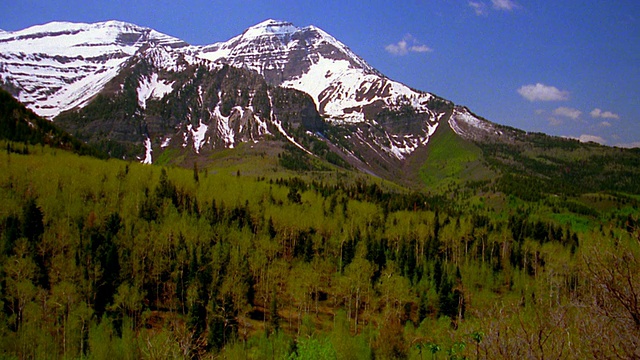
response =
{"points": [[567, 68]]}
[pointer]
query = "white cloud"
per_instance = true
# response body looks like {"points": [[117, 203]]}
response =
{"points": [[420, 48], [605, 124], [397, 49], [480, 8], [541, 92], [630, 145], [597, 113], [504, 5], [567, 112], [406, 45], [592, 138], [555, 121]]}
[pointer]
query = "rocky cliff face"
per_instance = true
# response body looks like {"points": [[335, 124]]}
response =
{"points": [[157, 102]]}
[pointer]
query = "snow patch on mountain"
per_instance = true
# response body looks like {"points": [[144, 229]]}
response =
{"points": [[263, 128], [269, 27], [148, 150], [165, 142], [291, 139], [320, 76], [70, 39], [463, 118], [152, 87], [403, 146], [342, 92], [59, 66], [198, 135], [469, 126], [224, 127], [275, 121]]}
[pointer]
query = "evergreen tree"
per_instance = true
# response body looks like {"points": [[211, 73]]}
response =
{"points": [[32, 222]]}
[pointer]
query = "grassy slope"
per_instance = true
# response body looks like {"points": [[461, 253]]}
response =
{"points": [[451, 159], [261, 160]]}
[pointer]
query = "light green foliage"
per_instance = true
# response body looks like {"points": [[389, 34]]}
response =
{"points": [[451, 159], [123, 260], [345, 344], [277, 346], [314, 349], [101, 340]]}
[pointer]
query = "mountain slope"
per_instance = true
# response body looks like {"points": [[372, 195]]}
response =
{"points": [[452, 159], [163, 102], [532, 165], [19, 124], [58, 66]]}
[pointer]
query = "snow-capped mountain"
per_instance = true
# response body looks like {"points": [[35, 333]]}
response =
{"points": [[308, 59], [58, 67], [345, 88], [280, 51]]}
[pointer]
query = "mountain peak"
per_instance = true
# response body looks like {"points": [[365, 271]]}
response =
{"points": [[270, 27], [61, 26]]}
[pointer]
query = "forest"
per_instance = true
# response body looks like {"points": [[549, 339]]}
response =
{"points": [[104, 259]]}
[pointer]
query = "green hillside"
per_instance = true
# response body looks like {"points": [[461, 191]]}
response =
{"points": [[106, 258], [452, 160], [534, 165]]}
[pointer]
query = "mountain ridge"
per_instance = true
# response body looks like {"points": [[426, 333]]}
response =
{"points": [[138, 94], [61, 65], [346, 90], [21, 125]]}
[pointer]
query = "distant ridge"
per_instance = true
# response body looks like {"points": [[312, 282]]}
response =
{"points": [[19, 124]]}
